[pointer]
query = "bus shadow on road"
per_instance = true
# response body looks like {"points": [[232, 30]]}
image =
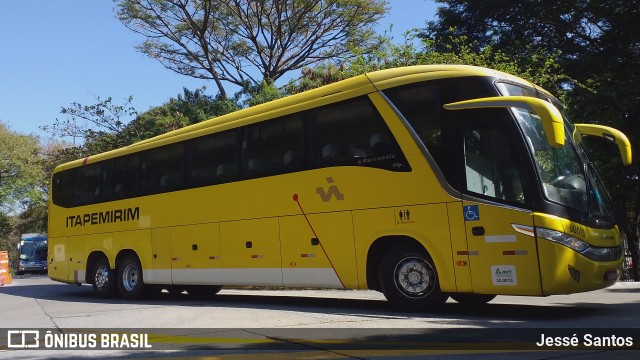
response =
{"points": [[366, 308]]}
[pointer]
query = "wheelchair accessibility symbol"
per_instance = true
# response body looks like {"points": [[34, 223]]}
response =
{"points": [[471, 213]]}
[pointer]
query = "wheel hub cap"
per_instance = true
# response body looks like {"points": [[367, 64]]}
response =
{"points": [[130, 277], [413, 276], [102, 277]]}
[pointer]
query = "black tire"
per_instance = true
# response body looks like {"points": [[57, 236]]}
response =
{"points": [[409, 279], [103, 279], [203, 291], [472, 299], [130, 280]]}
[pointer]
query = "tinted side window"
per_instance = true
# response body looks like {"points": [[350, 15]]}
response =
{"points": [[272, 147], [162, 170], [491, 165], [62, 185], [119, 178], [421, 105], [352, 133], [87, 185], [213, 159]]}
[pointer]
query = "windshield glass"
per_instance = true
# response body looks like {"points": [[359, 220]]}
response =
{"points": [[566, 180], [33, 251]]}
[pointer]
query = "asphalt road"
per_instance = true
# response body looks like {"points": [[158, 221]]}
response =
{"points": [[317, 324]]}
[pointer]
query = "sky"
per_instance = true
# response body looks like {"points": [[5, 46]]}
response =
{"points": [[54, 53]]}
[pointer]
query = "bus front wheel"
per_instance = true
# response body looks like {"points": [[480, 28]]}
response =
{"points": [[130, 282], [104, 279], [409, 279]]}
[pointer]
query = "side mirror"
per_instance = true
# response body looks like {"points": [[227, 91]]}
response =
{"points": [[549, 114], [609, 133]]}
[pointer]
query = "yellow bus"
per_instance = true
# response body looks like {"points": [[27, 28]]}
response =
{"points": [[422, 182]]}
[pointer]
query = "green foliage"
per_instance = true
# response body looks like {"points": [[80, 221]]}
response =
{"points": [[8, 241], [188, 108], [33, 219], [536, 65], [93, 128], [21, 174], [5, 227], [264, 93], [103, 126]]}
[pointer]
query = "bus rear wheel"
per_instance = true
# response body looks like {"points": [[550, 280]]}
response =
{"points": [[103, 279], [409, 279], [130, 281]]}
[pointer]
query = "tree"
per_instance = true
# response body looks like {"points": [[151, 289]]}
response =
{"points": [[34, 219], [94, 125], [106, 126], [21, 175], [188, 108], [248, 42], [594, 41], [7, 238], [540, 68]]}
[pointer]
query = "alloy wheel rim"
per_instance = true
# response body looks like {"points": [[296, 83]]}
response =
{"points": [[102, 277], [130, 277]]}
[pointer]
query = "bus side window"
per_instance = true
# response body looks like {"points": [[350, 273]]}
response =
{"points": [[491, 167], [352, 133], [119, 177], [88, 187], [63, 188], [421, 105], [162, 170], [291, 160], [272, 147], [212, 159]]}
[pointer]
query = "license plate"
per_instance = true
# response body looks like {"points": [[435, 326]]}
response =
{"points": [[611, 275]]}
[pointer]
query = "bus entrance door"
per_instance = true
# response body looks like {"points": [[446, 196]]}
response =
{"points": [[503, 256], [498, 217]]}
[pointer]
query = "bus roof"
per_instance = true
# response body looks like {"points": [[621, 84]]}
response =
{"points": [[355, 86], [33, 237]]}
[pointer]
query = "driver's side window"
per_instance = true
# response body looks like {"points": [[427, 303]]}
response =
{"points": [[491, 165]]}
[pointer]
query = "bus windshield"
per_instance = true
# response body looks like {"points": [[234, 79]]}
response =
{"points": [[33, 251], [566, 175]]}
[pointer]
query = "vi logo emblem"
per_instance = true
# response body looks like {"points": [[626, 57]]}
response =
{"points": [[331, 192]]}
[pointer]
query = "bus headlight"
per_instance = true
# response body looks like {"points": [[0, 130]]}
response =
{"points": [[562, 239], [593, 253]]}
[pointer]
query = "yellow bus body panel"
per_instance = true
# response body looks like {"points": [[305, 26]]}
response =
{"points": [[58, 263], [426, 223], [556, 260]]}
